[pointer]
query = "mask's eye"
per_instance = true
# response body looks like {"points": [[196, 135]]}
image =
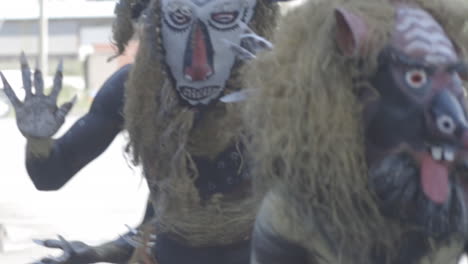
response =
{"points": [[224, 21], [180, 18], [416, 78], [225, 17], [446, 124]]}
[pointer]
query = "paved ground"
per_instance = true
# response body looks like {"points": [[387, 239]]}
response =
{"points": [[93, 207]]}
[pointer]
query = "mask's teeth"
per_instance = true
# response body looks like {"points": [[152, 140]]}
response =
{"points": [[449, 154], [436, 153]]}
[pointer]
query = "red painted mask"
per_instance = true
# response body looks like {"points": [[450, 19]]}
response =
{"points": [[417, 131]]}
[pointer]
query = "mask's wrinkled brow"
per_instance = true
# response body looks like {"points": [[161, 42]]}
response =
{"points": [[418, 34], [400, 58]]}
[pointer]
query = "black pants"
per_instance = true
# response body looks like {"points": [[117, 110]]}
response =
{"points": [[169, 251]]}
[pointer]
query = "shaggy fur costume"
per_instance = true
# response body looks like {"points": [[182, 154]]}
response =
{"points": [[165, 135], [128, 13], [308, 141]]}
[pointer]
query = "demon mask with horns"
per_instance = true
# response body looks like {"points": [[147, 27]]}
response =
{"points": [[361, 134]]}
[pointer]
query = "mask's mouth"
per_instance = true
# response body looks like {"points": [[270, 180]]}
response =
{"points": [[423, 189], [435, 166], [200, 95]]}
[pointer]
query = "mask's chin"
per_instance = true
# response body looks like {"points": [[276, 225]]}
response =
{"points": [[396, 180]]}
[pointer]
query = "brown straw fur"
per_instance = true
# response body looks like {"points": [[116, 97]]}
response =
{"points": [[306, 127], [122, 28], [164, 136]]}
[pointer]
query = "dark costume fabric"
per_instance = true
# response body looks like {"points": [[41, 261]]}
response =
{"points": [[360, 154], [187, 140]]}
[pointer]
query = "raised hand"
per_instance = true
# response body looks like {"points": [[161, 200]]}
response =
{"points": [[74, 252], [38, 116]]}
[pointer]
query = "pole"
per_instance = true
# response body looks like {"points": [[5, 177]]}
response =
{"points": [[43, 37]]}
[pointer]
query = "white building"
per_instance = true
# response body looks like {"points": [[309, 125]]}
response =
{"points": [[74, 26], [80, 32]]}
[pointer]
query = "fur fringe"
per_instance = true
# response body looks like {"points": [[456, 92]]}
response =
{"points": [[122, 28], [164, 136], [305, 121]]}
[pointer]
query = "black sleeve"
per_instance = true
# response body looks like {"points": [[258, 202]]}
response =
{"points": [[85, 140], [271, 248]]}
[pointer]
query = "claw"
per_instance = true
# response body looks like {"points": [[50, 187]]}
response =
{"points": [[57, 86], [252, 41], [60, 65], [259, 42], [74, 99], [239, 51], [23, 60], [9, 92], [38, 82], [132, 230], [65, 108], [237, 96], [37, 64], [39, 242], [66, 245], [26, 74], [132, 242]]}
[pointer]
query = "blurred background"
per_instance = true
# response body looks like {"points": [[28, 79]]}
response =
{"points": [[77, 31], [107, 194]]}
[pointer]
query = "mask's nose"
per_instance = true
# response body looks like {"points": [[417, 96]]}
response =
{"points": [[198, 55], [449, 118]]}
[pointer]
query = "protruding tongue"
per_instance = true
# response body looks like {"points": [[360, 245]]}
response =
{"points": [[434, 179]]}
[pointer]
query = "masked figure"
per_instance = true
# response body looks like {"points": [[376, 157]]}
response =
{"points": [[182, 126], [185, 134], [360, 134]]}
